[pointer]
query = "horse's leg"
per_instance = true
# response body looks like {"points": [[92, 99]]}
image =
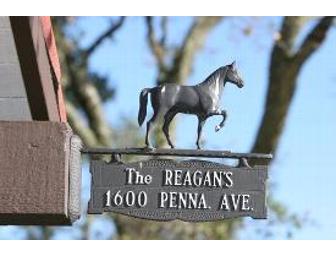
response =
{"points": [[150, 125], [201, 122], [167, 119], [220, 125]]}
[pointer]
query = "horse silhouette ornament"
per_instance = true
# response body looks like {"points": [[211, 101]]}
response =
{"points": [[202, 100]]}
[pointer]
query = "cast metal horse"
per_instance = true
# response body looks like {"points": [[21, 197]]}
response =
{"points": [[202, 100]]}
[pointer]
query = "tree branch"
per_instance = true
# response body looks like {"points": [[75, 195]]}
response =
{"points": [[76, 78], [284, 70], [108, 33], [79, 127], [156, 47], [193, 41], [291, 26], [89, 99], [314, 39], [164, 31]]}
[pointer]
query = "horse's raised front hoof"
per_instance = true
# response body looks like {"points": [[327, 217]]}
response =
{"points": [[217, 128]]}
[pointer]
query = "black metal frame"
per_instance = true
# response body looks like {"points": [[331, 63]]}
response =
{"points": [[117, 152]]}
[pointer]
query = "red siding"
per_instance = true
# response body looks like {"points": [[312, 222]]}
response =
{"points": [[53, 56]]}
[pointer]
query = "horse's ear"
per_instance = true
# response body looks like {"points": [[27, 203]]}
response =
{"points": [[233, 64]]}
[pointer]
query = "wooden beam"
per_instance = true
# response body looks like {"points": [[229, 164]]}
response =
{"points": [[40, 173], [35, 68]]}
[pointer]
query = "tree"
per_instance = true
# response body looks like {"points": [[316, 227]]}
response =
{"points": [[83, 88]]}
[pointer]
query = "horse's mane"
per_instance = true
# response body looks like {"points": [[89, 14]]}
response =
{"points": [[213, 75]]}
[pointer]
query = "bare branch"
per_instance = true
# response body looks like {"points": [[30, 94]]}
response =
{"points": [[76, 77], [164, 31], [79, 127], [281, 87], [90, 100], [107, 34], [88, 97], [291, 26], [156, 47], [193, 41], [314, 39], [181, 65]]}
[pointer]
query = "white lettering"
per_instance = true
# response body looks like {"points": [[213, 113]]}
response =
{"points": [[134, 177], [168, 177], [182, 200], [224, 204], [245, 206], [163, 199]]}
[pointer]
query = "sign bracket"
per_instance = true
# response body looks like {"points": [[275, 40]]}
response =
{"points": [[117, 152]]}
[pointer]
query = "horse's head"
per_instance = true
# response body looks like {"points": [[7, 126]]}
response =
{"points": [[232, 75]]}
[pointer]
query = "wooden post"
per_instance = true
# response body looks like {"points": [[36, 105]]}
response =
{"points": [[40, 173]]}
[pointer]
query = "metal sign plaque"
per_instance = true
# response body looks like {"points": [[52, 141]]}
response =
{"points": [[163, 190]]}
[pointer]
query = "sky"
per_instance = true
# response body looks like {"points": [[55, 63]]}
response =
{"points": [[301, 176]]}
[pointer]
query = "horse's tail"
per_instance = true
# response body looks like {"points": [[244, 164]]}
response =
{"points": [[143, 98]]}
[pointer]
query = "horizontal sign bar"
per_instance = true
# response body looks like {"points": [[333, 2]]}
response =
{"points": [[163, 189], [177, 152]]}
